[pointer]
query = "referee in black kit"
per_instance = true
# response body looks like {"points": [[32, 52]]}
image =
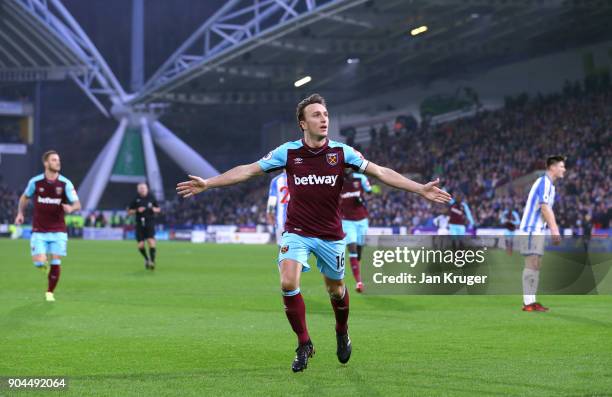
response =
{"points": [[145, 207]]}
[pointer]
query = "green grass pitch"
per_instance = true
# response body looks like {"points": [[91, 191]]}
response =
{"points": [[209, 322]]}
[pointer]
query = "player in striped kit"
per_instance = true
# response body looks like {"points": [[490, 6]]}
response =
{"points": [[537, 215], [278, 199]]}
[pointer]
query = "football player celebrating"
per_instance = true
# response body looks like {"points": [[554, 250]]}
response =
{"points": [[314, 166]]}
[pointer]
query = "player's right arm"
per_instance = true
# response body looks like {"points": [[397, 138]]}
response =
{"points": [[271, 210], [549, 217], [274, 160], [272, 201], [236, 175], [23, 201]]}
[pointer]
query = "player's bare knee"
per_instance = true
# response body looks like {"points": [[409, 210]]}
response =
{"points": [[42, 258], [335, 290], [151, 243], [289, 284], [141, 244], [532, 262], [290, 275]]}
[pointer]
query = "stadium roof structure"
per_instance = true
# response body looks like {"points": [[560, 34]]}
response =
{"points": [[40, 40], [253, 51]]}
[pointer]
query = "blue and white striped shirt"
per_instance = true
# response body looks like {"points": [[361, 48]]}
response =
{"points": [[542, 192], [278, 198]]}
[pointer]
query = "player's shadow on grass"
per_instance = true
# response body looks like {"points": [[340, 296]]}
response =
{"points": [[22, 315]]}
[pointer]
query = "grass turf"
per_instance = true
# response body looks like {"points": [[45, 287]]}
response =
{"points": [[209, 321]]}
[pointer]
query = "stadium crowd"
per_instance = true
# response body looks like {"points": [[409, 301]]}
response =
{"points": [[475, 157], [478, 155]]}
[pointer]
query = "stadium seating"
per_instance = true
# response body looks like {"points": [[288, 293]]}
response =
{"points": [[474, 155]]}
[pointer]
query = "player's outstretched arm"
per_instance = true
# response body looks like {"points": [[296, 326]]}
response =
{"points": [[389, 177], [23, 203], [236, 175]]}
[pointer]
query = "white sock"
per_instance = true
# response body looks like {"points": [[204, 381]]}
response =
{"points": [[530, 285]]}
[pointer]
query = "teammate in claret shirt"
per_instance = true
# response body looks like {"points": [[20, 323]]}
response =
{"points": [[315, 167], [355, 218], [53, 196]]}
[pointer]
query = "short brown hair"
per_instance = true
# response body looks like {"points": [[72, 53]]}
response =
{"points": [[48, 153], [552, 160], [314, 98]]}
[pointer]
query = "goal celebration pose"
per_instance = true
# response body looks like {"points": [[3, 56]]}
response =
{"points": [[315, 167]]}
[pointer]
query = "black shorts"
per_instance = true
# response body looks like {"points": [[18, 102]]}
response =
{"points": [[145, 232]]}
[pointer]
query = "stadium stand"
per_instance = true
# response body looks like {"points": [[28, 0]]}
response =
{"points": [[471, 155]]}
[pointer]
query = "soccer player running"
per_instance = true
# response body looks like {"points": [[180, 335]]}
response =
{"points": [[314, 166], [144, 207], [354, 218], [53, 196], [537, 214], [278, 200]]}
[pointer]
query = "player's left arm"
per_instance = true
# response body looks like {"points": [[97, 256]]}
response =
{"points": [[389, 177], [72, 198]]}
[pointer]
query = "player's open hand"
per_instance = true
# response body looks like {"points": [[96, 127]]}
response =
{"points": [[192, 187], [432, 192], [19, 219], [556, 238], [67, 208]]}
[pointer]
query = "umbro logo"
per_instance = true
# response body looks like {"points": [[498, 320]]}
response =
{"points": [[298, 160], [41, 189]]}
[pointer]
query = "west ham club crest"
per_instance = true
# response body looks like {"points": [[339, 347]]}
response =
{"points": [[332, 158]]}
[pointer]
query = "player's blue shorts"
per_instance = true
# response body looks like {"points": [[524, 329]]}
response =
{"points": [[329, 254], [48, 243], [355, 231], [456, 230]]}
